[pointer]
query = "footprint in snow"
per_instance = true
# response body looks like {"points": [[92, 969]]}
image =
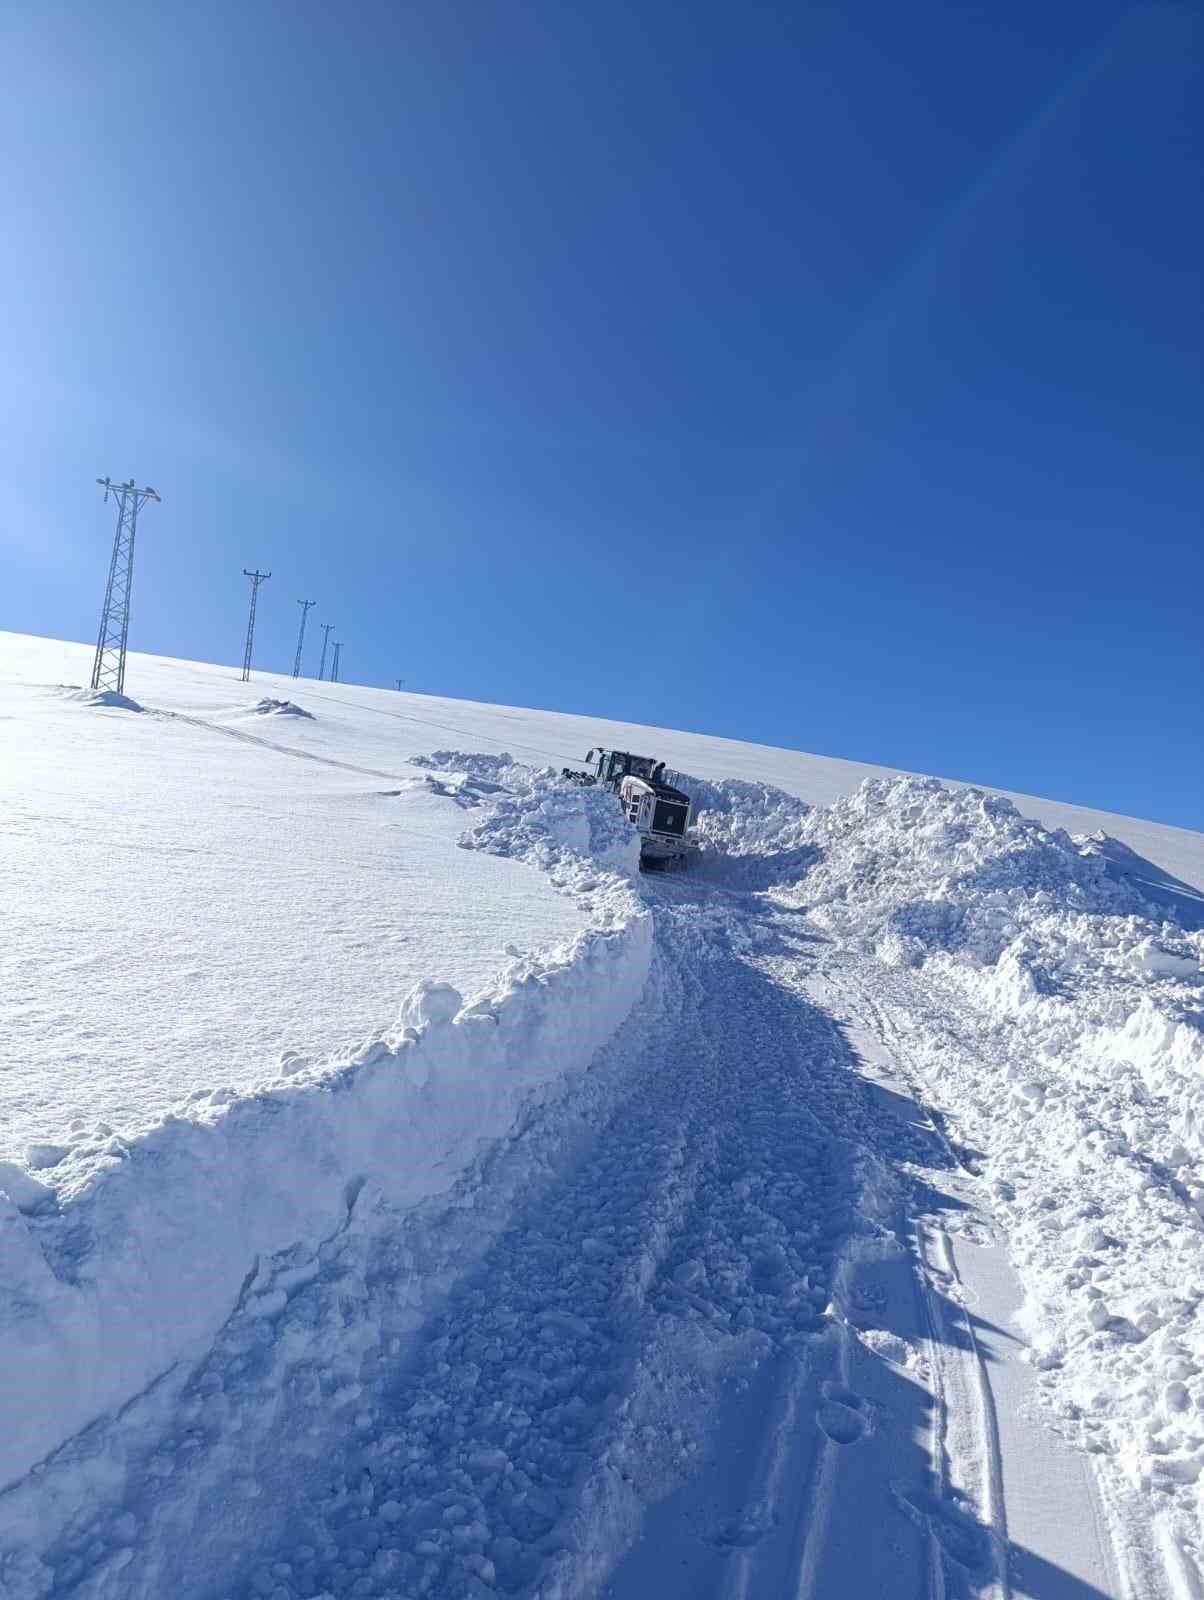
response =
{"points": [[842, 1415]]}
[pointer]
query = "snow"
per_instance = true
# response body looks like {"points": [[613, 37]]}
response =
{"points": [[1060, 1020], [195, 902], [140, 1253], [508, 1222]]}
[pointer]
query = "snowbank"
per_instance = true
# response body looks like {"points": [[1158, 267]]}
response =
{"points": [[736, 819], [1027, 922], [539, 818], [733, 821], [1060, 1022], [140, 1250], [931, 867]]}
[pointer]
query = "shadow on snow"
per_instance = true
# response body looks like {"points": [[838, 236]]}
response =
{"points": [[602, 1338]]}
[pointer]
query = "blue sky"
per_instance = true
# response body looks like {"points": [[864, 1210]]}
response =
{"points": [[821, 374]]}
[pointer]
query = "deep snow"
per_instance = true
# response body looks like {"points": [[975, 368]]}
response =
{"points": [[190, 911], [848, 1181]]}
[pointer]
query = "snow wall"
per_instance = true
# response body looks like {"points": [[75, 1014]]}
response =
{"points": [[1034, 927], [140, 1251]]}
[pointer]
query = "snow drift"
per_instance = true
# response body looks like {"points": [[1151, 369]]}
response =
{"points": [[1059, 1019], [1028, 922], [136, 1253], [104, 698], [1060, 1015]]}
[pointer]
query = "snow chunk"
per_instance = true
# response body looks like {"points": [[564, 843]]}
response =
{"points": [[429, 1004], [473, 765], [41, 1156], [1152, 958], [755, 829], [280, 708], [26, 1193]]}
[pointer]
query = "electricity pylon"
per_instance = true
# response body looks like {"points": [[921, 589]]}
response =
{"points": [[305, 605], [327, 629], [334, 665], [108, 668], [256, 578]]}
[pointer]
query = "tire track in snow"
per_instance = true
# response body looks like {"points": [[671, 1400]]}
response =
{"points": [[493, 1395], [821, 1508], [270, 744], [794, 1534], [454, 1408], [975, 1457], [1071, 1550], [980, 1455]]}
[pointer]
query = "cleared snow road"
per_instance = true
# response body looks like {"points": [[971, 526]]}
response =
{"points": [[701, 1328], [731, 1314]]}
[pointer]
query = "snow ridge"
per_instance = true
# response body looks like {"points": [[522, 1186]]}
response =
{"points": [[1055, 1016], [131, 1255], [1028, 923], [1059, 1021], [735, 819]]}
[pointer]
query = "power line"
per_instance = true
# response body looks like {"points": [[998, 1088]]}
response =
{"points": [[256, 578], [327, 629], [334, 665], [305, 605], [108, 668]]}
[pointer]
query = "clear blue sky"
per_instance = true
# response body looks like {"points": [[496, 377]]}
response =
{"points": [[821, 374]]}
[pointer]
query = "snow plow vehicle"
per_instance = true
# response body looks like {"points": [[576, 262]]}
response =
{"points": [[659, 812]]}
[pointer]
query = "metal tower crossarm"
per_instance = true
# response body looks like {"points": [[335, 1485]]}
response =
{"points": [[256, 578], [108, 667]]}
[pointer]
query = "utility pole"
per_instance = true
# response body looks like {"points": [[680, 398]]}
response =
{"points": [[108, 668], [334, 665], [256, 578], [305, 605], [327, 629]]}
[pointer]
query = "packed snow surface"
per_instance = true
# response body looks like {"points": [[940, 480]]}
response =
{"points": [[662, 1235]]}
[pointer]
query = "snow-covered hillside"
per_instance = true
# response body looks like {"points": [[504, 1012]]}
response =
{"points": [[403, 1196], [198, 912]]}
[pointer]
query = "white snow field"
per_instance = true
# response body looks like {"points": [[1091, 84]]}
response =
{"points": [[194, 900], [401, 1195]]}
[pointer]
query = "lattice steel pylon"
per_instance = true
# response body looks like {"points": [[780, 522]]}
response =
{"points": [[334, 665], [108, 668], [327, 629], [305, 605], [256, 578]]}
